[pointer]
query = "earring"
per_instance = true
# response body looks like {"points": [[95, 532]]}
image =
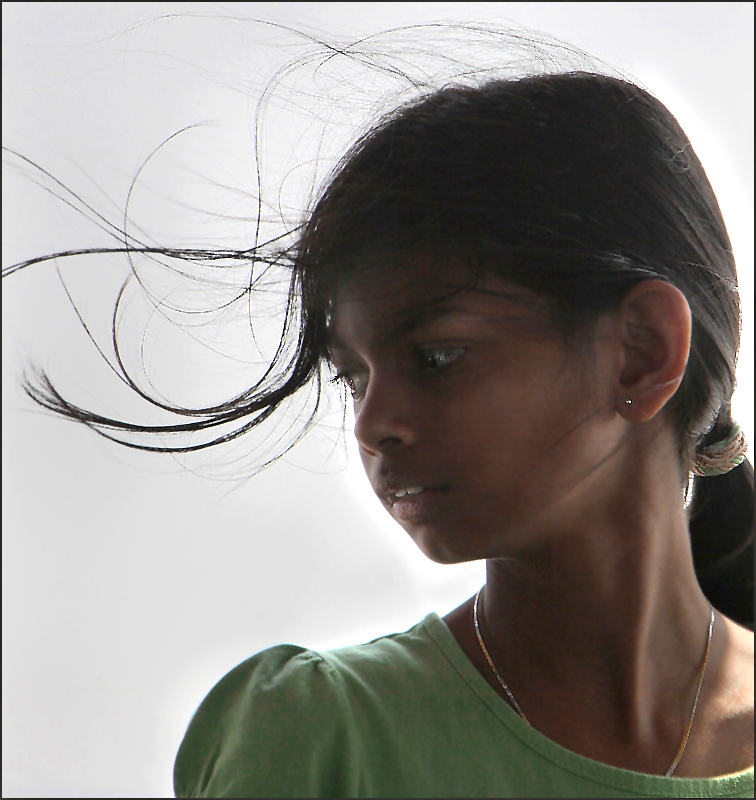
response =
{"points": [[629, 402]]}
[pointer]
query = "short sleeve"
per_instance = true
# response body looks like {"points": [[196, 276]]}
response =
{"points": [[275, 726]]}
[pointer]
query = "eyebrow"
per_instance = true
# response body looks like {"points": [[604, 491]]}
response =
{"points": [[415, 319], [431, 314]]}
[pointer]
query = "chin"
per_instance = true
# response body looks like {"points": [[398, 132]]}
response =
{"points": [[437, 548]]}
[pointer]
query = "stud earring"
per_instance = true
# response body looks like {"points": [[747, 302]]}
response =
{"points": [[629, 402]]}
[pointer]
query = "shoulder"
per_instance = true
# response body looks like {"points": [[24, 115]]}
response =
{"points": [[292, 722], [724, 740], [261, 685], [737, 677], [737, 694], [272, 719]]}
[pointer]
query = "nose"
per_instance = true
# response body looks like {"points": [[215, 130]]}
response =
{"points": [[386, 417]]}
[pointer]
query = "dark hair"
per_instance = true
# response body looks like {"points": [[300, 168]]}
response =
{"points": [[577, 186]]}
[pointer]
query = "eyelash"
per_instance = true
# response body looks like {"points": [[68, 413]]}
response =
{"points": [[430, 352], [423, 353], [344, 378]]}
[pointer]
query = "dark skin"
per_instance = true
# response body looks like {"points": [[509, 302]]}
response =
{"points": [[532, 460]]}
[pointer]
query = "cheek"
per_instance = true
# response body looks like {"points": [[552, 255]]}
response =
{"points": [[497, 409], [517, 428]]}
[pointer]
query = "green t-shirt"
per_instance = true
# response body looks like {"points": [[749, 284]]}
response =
{"points": [[407, 715]]}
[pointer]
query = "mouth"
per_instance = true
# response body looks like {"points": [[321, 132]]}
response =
{"points": [[410, 491], [414, 503]]}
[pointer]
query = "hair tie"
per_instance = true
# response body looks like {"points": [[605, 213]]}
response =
{"points": [[721, 457]]}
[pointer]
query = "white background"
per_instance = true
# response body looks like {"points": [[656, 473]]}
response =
{"points": [[131, 585]]}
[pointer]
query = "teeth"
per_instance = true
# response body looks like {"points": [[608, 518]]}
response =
{"points": [[411, 490]]}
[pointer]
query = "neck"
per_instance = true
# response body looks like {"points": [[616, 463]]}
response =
{"points": [[607, 622]]}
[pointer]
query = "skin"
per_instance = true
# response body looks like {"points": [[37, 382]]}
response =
{"points": [[591, 610]]}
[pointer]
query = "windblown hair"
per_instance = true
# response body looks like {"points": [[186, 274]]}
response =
{"points": [[575, 185]]}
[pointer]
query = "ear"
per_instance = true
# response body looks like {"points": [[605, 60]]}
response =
{"points": [[654, 328]]}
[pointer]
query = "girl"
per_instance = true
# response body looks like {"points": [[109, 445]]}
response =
{"points": [[529, 291]]}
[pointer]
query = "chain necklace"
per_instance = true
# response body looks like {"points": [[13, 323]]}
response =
{"points": [[517, 708]]}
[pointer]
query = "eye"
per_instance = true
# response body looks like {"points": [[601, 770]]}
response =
{"points": [[435, 359], [354, 383]]}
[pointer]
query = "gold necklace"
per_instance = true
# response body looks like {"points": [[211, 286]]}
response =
{"points": [[517, 708]]}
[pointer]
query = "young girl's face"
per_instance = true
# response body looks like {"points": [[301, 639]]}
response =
{"points": [[474, 421]]}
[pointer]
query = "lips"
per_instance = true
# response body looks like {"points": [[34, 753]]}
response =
{"points": [[391, 490], [409, 498], [420, 506], [410, 491]]}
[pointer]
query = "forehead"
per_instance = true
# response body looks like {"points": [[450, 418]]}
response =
{"points": [[387, 303]]}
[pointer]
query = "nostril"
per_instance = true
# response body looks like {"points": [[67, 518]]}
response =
{"points": [[377, 435]]}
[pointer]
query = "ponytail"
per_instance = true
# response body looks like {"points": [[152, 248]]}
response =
{"points": [[721, 533]]}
